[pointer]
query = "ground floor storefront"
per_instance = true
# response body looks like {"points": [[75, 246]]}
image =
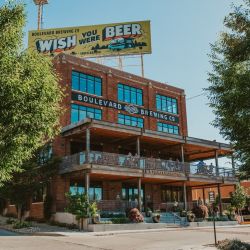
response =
{"points": [[117, 193]]}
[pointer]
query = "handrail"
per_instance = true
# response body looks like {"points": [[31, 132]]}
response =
{"points": [[143, 163]]}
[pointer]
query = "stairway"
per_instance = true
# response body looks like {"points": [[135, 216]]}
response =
{"points": [[169, 218]]}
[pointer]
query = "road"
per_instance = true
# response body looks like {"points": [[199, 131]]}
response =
{"points": [[170, 239]]}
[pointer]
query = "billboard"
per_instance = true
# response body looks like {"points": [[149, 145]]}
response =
{"points": [[94, 41]]}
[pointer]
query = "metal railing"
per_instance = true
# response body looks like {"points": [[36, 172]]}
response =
{"points": [[71, 162]]}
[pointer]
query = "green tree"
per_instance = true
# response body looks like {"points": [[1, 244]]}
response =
{"points": [[30, 95], [80, 206], [229, 92], [22, 186], [239, 198]]}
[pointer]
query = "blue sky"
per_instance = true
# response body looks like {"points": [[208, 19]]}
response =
{"points": [[181, 33]]}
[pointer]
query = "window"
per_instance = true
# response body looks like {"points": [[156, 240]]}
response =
{"points": [[79, 113], [131, 193], [130, 94], [45, 154], [167, 128], [95, 191], [171, 194], [86, 83], [130, 121], [166, 104], [38, 195]]}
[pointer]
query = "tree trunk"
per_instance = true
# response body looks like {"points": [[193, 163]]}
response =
{"points": [[19, 212], [81, 224]]}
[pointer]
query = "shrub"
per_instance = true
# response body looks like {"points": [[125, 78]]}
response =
{"points": [[105, 222], [135, 215], [21, 224], [190, 216], [200, 211], [112, 215], [61, 224], [233, 245], [120, 220], [156, 218], [11, 215], [72, 226], [10, 221], [221, 218]]}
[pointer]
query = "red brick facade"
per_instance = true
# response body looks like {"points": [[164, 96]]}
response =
{"points": [[65, 64]]}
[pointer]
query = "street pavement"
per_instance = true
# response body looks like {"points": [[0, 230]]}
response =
{"points": [[169, 239]]}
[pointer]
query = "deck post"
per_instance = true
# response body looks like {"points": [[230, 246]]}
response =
{"points": [[182, 154], [216, 162], [139, 194], [204, 197], [87, 180], [219, 195], [185, 195], [233, 164], [87, 145], [138, 149]]}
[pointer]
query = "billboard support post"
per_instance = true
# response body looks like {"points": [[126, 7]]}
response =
{"points": [[142, 66], [120, 62]]}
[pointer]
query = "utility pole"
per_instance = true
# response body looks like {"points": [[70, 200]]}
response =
{"points": [[40, 4]]}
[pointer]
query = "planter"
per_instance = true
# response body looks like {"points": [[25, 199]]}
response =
{"points": [[156, 218], [210, 223], [149, 213], [85, 223], [96, 219]]}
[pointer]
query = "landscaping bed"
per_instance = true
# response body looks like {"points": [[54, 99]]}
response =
{"points": [[128, 226], [210, 223], [33, 227]]}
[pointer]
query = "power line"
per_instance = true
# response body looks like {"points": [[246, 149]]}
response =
{"points": [[193, 97]]}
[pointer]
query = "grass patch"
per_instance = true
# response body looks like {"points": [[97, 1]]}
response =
{"points": [[233, 245]]}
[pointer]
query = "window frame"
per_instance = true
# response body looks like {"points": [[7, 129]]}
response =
{"points": [[166, 104], [85, 109], [130, 120], [91, 84], [165, 128], [128, 93]]}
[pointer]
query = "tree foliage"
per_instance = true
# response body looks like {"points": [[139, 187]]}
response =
{"points": [[80, 206], [30, 96], [22, 186], [239, 197], [229, 92]]}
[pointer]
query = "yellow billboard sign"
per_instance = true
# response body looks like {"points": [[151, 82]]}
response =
{"points": [[94, 41]]}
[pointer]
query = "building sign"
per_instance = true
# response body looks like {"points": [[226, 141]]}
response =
{"points": [[162, 172], [94, 41], [211, 197], [131, 109]]}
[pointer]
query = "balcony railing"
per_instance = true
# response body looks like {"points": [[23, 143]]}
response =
{"points": [[72, 162]]}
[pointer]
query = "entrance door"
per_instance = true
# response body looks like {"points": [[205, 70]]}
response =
{"points": [[130, 194]]}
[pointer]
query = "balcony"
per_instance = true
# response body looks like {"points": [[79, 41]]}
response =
{"points": [[146, 166]]}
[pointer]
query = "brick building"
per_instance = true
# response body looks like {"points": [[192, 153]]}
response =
{"points": [[125, 141]]}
